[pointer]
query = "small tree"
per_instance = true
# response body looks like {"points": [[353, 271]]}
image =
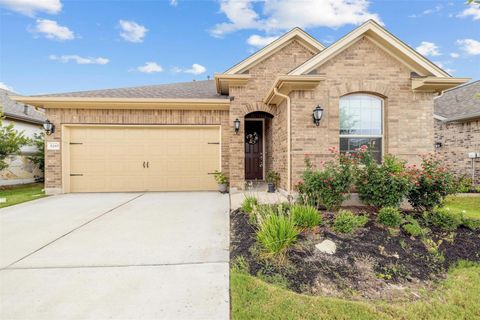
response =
{"points": [[11, 141], [39, 158]]}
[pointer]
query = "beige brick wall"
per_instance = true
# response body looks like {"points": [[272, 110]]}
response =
{"points": [[249, 98], [459, 138], [53, 159], [363, 67]]}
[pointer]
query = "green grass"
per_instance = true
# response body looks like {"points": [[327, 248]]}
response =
{"points": [[471, 205], [19, 194], [458, 297]]}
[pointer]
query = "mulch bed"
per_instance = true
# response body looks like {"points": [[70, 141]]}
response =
{"points": [[374, 262]]}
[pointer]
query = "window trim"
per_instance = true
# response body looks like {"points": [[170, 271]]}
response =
{"points": [[382, 116]]}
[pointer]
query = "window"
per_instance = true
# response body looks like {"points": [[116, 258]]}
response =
{"points": [[361, 124]]}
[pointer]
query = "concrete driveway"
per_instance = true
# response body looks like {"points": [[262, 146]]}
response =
{"points": [[116, 256]]}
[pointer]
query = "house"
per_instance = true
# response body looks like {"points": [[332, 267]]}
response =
{"points": [[255, 117], [457, 129], [28, 119]]}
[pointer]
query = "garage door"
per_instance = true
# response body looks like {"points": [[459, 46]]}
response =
{"points": [[162, 158]]}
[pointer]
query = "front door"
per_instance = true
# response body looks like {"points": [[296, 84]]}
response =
{"points": [[253, 150]]}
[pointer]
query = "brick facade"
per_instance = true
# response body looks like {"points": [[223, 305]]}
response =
{"points": [[458, 139]]}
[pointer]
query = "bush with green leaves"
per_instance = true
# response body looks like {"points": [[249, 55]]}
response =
{"points": [[328, 186], [220, 177], [249, 204], [444, 218], [381, 185], [276, 233], [347, 222], [413, 227], [471, 223], [431, 183], [39, 157], [305, 216], [390, 217], [11, 141], [463, 184]]}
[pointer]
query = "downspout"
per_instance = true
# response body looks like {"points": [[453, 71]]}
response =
{"points": [[289, 171]]}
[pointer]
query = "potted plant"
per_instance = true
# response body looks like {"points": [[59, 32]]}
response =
{"points": [[273, 178], [222, 181]]}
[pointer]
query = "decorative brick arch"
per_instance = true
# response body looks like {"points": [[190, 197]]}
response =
{"points": [[366, 86], [259, 106]]}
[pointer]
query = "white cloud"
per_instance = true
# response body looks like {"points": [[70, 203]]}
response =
{"points": [[473, 10], [454, 55], [280, 15], [79, 60], [428, 49], [195, 69], [258, 41], [173, 3], [52, 30], [132, 31], [470, 46], [150, 67], [442, 66], [31, 7], [4, 86], [436, 9]]}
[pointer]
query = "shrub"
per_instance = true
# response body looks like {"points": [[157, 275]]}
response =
{"points": [[273, 177], [276, 234], [444, 218], [220, 177], [390, 217], [305, 216], [413, 228], [347, 222], [463, 184], [240, 265], [328, 186], [471, 223], [431, 184], [249, 204], [381, 185]]}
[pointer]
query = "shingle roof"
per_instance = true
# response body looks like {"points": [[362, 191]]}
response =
{"points": [[187, 90], [19, 110], [459, 103]]}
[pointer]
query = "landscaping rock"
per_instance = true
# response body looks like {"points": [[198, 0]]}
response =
{"points": [[326, 246]]}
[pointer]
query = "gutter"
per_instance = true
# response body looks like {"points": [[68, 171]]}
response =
{"points": [[23, 119], [289, 170]]}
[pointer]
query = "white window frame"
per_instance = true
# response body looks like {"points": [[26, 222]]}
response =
{"points": [[382, 126]]}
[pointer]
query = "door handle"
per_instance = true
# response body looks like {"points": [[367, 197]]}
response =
{"points": [[148, 164], [144, 164]]}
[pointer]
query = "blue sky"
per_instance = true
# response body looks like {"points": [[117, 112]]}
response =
{"points": [[51, 46]]}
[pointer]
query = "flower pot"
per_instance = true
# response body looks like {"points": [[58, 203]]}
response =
{"points": [[222, 188], [271, 188]]}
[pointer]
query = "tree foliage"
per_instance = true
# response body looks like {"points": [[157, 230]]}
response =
{"points": [[11, 141]]}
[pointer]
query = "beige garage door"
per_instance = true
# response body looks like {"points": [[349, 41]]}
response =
{"points": [[162, 158]]}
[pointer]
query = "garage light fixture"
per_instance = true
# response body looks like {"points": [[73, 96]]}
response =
{"points": [[236, 125], [48, 127], [317, 115]]}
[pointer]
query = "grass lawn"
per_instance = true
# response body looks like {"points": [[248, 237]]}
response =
{"points": [[458, 297], [19, 194], [471, 205]]}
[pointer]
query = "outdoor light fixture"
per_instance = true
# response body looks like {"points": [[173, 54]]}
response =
{"points": [[49, 127], [236, 125], [317, 115], [438, 145]]}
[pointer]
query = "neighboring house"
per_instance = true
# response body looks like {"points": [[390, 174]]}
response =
{"points": [[457, 129], [28, 119], [373, 88]]}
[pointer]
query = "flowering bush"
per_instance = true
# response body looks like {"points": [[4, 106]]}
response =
{"points": [[328, 186], [431, 184], [381, 185]]}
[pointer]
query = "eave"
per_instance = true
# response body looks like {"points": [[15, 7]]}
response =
{"points": [[286, 84], [124, 103], [436, 84], [224, 81]]}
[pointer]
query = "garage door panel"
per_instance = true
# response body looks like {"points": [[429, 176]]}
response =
{"points": [[111, 158]]}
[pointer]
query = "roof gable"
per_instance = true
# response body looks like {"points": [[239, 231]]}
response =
{"points": [[295, 34], [384, 39]]}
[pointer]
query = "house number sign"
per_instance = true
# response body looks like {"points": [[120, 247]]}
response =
{"points": [[53, 145]]}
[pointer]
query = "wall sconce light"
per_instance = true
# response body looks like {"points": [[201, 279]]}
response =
{"points": [[317, 115], [236, 125], [438, 145], [48, 127]]}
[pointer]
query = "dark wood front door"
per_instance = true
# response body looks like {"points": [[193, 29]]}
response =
{"points": [[253, 150]]}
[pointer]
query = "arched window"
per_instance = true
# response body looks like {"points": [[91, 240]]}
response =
{"points": [[361, 123]]}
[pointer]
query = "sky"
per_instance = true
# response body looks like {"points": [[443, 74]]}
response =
{"points": [[50, 46]]}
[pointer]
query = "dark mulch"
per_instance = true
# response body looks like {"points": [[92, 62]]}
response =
{"points": [[368, 263]]}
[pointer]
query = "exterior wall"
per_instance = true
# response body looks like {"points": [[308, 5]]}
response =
{"points": [[249, 98], [363, 67], [53, 159], [20, 169], [458, 139]]}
